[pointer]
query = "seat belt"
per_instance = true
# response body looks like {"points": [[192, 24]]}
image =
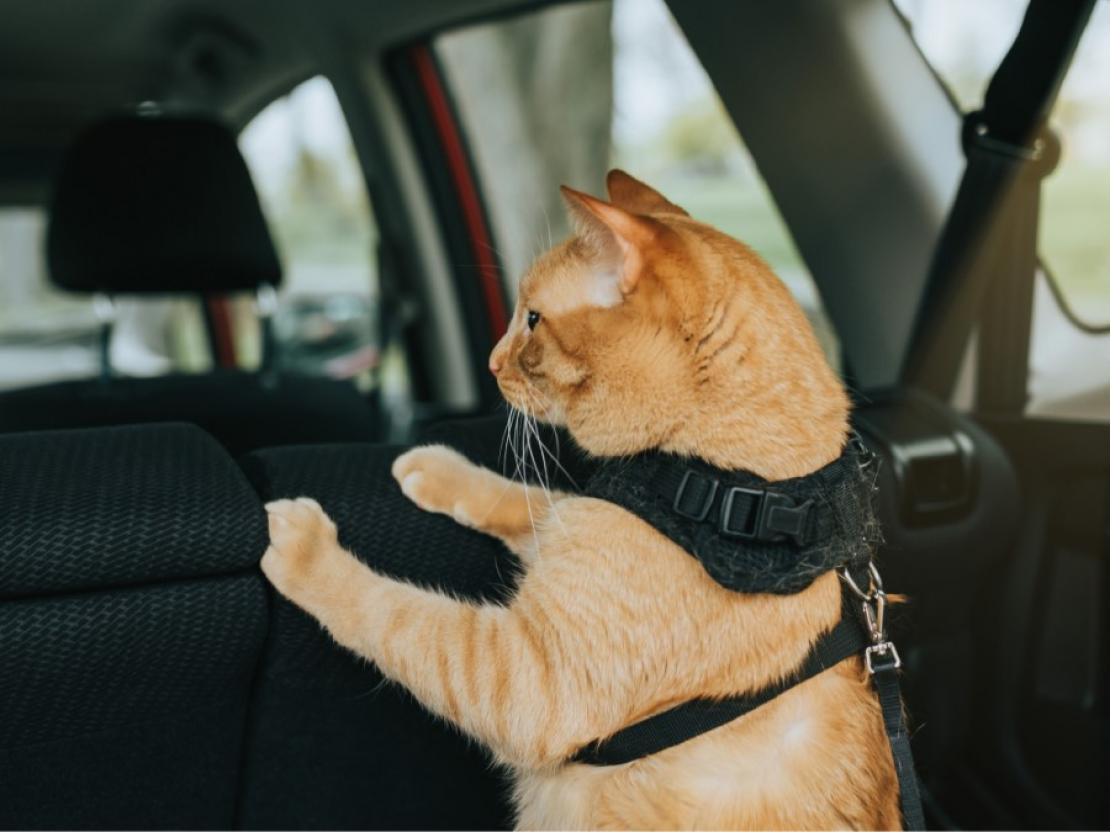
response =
{"points": [[986, 258]]}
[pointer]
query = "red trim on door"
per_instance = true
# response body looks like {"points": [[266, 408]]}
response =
{"points": [[443, 118], [223, 331]]}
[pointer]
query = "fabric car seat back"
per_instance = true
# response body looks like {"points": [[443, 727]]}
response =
{"points": [[132, 617]]}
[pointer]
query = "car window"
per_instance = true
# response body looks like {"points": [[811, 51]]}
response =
{"points": [[44, 334], [48, 335], [304, 167], [310, 184], [965, 42], [1070, 355], [635, 97]]}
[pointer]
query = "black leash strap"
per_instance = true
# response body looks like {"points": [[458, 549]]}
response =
{"points": [[883, 663], [885, 680]]}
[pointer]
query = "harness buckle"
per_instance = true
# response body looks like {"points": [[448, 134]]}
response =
{"points": [[752, 521], [701, 511], [881, 654], [875, 582], [771, 517], [874, 616], [888, 657]]}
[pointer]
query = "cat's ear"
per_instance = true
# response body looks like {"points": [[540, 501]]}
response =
{"points": [[620, 236], [631, 194]]}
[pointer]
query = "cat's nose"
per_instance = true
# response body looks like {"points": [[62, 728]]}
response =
{"points": [[494, 364]]}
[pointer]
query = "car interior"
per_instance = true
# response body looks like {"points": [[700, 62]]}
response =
{"points": [[115, 230], [151, 678]]}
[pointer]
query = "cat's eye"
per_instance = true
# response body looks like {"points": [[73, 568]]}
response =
{"points": [[533, 319]]}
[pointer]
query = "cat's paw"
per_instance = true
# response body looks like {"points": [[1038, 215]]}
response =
{"points": [[437, 479], [303, 544]]}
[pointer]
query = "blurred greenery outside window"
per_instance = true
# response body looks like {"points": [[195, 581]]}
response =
{"points": [[309, 181], [634, 96], [965, 42]]}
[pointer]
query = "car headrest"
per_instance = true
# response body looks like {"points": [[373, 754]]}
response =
{"points": [[146, 205]]}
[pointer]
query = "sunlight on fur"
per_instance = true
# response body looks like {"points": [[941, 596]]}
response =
{"points": [[645, 330]]}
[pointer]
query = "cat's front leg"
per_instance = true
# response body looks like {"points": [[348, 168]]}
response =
{"points": [[306, 564], [494, 671], [442, 480]]}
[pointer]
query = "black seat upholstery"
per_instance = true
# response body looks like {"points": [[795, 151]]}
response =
{"points": [[151, 679], [243, 411], [132, 617], [334, 747], [148, 206], [146, 680]]}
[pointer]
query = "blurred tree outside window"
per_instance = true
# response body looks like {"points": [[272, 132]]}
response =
{"points": [[633, 96]]}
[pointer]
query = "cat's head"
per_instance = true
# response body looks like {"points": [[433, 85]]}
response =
{"points": [[649, 329]]}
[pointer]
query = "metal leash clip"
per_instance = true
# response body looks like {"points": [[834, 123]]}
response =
{"points": [[881, 654]]}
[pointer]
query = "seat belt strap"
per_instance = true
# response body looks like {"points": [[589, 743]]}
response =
{"points": [[1010, 269], [1003, 143]]}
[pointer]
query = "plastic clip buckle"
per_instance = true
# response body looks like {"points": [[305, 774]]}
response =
{"points": [[774, 516], [703, 511]]}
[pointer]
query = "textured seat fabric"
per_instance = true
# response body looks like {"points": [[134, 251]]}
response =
{"points": [[132, 618], [243, 411], [150, 678], [332, 745], [145, 682], [91, 509]]}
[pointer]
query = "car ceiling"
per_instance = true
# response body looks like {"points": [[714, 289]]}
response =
{"points": [[67, 62]]}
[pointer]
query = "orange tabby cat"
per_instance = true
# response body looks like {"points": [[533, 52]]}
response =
{"points": [[647, 329]]}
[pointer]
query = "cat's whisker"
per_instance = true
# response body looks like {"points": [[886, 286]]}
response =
{"points": [[545, 476], [502, 448], [542, 476], [492, 248], [506, 439], [538, 398], [514, 423], [522, 471]]}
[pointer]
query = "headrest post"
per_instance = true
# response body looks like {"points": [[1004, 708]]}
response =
{"points": [[266, 303], [105, 309]]}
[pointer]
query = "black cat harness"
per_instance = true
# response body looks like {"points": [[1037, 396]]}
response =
{"points": [[756, 536]]}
